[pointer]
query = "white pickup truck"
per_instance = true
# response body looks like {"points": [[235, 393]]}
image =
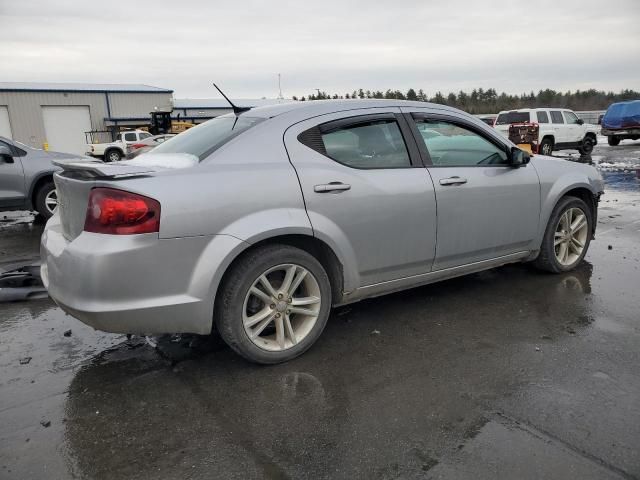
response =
{"points": [[114, 151]]}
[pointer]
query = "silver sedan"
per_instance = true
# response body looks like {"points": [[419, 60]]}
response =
{"points": [[255, 224]]}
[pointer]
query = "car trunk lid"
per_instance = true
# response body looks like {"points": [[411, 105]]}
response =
{"points": [[75, 181]]}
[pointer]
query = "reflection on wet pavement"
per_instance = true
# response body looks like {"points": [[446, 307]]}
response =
{"points": [[498, 369]]}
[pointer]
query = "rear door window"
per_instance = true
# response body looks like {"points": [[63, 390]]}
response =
{"points": [[508, 118], [556, 116], [144, 135], [373, 144], [130, 137], [542, 117]]}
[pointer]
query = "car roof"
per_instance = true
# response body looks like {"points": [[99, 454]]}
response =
{"points": [[534, 109], [319, 107]]}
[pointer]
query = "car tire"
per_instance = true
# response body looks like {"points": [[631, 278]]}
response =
{"points": [[558, 239], [112, 155], [44, 198], [545, 147], [613, 141], [587, 146], [240, 315]]}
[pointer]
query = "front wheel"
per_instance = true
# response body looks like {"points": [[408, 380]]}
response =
{"points": [[274, 304], [567, 237], [613, 141], [587, 146]]}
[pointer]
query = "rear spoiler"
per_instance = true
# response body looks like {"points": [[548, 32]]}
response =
{"points": [[103, 170]]}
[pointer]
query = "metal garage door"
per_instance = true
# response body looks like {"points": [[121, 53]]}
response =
{"points": [[5, 126], [64, 128]]}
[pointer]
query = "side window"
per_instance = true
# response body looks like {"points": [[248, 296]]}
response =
{"points": [[556, 116], [570, 117], [374, 144], [450, 145], [542, 117], [145, 135], [130, 137]]}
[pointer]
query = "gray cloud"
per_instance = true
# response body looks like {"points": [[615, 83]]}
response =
{"points": [[332, 45]]}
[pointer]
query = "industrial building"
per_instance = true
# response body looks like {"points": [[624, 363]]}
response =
{"points": [[58, 115]]}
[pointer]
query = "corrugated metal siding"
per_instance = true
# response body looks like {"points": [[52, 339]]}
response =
{"points": [[125, 105], [25, 109]]}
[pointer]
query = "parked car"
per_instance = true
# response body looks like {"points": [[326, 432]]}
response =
{"points": [[256, 224], [114, 151], [489, 120], [26, 177], [146, 145], [560, 128], [622, 121]]}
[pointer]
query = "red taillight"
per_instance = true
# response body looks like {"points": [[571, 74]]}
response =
{"points": [[117, 212], [137, 145]]}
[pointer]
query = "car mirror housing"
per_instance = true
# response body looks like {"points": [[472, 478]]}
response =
{"points": [[519, 157], [5, 154]]}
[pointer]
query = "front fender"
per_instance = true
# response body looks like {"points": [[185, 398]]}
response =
{"points": [[553, 189]]}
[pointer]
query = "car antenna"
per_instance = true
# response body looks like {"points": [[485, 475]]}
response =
{"points": [[237, 110]]}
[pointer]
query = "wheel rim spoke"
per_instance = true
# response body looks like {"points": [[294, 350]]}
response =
{"points": [[261, 295], [264, 281], [258, 330], [302, 311], [288, 278], [258, 317], [305, 301], [578, 223], [297, 281], [289, 329], [280, 332]]}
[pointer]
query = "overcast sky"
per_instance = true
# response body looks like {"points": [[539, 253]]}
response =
{"points": [[336, 46]]}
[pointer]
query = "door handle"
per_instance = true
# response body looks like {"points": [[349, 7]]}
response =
{"points": [[331, 187], [453, 181]]}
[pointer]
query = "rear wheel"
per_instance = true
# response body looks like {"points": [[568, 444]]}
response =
{"points": [[274, 304], [112, 156], [46, 200], [567, 237], [546, 146], [587, 146], [613, 141]]}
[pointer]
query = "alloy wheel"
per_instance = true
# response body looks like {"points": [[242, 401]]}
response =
{"points": [[570, 236], [51, 201], [281, 307]]}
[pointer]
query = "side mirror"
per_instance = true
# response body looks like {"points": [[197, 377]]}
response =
{"points": [[580, 121], [5, 154], [518, 158]]}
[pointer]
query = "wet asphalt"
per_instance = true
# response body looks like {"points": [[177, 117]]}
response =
{"points": [[509, 373]]}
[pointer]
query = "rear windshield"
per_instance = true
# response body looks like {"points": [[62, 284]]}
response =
{"points": [[204, 139], [512, 117]]}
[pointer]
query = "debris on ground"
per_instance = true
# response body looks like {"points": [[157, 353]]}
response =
{"points": [[537, 349], [67, 333], [375, 332], [45, 423], [25, 360], [610, 247]]}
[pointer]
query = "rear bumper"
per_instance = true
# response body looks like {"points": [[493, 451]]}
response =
{"points": [[134, 283], [622, 132]]}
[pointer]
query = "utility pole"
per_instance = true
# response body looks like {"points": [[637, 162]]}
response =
{"points": [[280, 97]]}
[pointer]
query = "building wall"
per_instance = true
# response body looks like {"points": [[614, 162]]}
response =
{"points": [[25, 109]]}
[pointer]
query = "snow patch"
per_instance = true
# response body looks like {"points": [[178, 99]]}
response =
{"points": [[165, 160]]}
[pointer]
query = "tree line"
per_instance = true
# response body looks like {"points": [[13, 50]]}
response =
{"points": [[489, 101]]}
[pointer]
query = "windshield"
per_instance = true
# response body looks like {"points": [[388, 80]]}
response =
{"points": [[512, 117], [207, 137]]}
